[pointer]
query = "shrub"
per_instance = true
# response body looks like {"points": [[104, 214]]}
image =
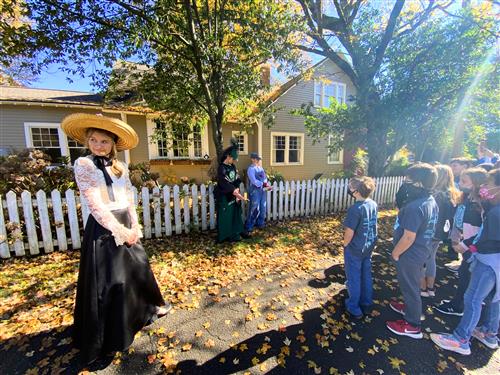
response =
{"points": [[398, 167], [274, 176], [141, 175], [32, 170]]}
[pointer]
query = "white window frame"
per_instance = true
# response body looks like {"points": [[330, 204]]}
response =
{"points": [[63, 139], [316, 82], [235, 133], [287, 149], [153, 152], [341, 154]]}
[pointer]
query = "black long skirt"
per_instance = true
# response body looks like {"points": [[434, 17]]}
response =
{"points": [[116, 295]]}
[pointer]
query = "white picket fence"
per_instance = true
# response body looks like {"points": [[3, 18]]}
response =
{"points": [[57, 221]]}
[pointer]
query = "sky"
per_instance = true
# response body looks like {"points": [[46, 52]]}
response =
{"points": [[54, 78]]}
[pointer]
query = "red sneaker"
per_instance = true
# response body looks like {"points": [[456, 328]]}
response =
{"points": [[398, 307], [403, 328]]}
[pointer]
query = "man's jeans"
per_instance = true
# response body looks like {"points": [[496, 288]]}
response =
{"points": [[257, 209], [359, 283], [481, 288]]}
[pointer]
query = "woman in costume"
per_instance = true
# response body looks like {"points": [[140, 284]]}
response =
{"points": [[117, 294], [229, 220]]}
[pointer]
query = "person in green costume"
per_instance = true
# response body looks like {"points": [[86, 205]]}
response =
{"points": [[229, 221]]}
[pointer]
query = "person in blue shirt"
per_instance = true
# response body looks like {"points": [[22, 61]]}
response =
{"points": [[413, 233], [257, 186], [360, 236]]}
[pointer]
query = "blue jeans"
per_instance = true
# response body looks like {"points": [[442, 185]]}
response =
{"points": [[481, 288], [358, 272], [257, 209]]}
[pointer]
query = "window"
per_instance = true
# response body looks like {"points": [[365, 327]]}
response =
{"points": [[324, 93], [334, 157], [51, 139], [242, 138], [287, 148], [181, 142], [197, 142], [76, 150]]}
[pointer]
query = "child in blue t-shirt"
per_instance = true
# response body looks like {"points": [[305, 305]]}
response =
{"points": [[360, 235], [413, 233]]}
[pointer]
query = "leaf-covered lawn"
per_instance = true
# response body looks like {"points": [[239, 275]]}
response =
{"points": [[274, 303]]}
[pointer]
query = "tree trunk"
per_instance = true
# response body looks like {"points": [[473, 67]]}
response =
{"points": [[376, 141], [217, 136], [377, 154]]}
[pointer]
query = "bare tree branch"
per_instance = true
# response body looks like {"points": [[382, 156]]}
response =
{"points": [[389, 32]]}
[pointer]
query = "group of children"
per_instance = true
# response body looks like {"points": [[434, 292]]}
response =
{"points": [[437, 204]]}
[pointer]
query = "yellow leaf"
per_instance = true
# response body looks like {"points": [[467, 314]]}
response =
{"points": [[222, 360], [355, 336], [255, 361], [442, 365], [271, 317], [206, 325], [396, 362], [199, 333], [186, 347], [210, 343], [262, 326], [264, 348], [243, 347]]}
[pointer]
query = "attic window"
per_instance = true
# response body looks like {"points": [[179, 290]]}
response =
{"points": [[325, 93]]}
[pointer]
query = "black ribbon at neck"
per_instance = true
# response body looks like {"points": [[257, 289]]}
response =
{"points": [[101, 162]]}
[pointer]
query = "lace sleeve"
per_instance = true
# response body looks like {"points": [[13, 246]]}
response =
{"points": [[88, 182], [131, 207]]}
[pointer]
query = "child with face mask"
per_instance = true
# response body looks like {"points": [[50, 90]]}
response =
{"points": [[413, 233], [470, 182], [484, 285], [360, 236]]}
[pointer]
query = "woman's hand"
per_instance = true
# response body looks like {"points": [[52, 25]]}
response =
{"points": [[238, 195], [133, 237]]}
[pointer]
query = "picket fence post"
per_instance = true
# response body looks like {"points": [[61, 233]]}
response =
{"points": [[211, 200], [43, 213], [73, 219], [57, 209], [203, 192], [146, 212], [157, 211], [4, 245], [167, 213]]}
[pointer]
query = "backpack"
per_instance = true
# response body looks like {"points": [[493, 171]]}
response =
{"points": [[446, 214]]}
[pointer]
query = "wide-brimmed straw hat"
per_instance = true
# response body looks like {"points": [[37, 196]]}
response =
{"points": [[77, 124]]}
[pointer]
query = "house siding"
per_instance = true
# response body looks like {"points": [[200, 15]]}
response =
{"points": [[139, 154], [315, 155], [13, 118]]}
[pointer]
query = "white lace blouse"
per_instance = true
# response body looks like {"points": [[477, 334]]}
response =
{"points": [[94, 195]]}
